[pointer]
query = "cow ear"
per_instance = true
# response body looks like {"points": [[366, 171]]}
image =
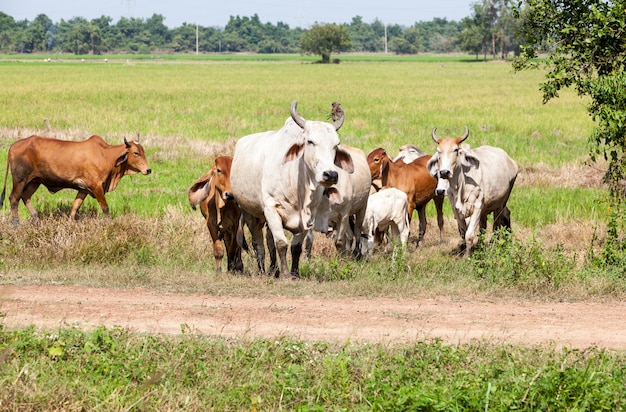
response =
{"points": [[468, 159], [344, 160], [122, 159], [294, 152], [201, 189], [433, 165]]}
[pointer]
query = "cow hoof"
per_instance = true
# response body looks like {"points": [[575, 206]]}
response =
{"points": [[16, 222]]}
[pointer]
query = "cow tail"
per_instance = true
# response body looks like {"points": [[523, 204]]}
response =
{"points": [[4, 189]]}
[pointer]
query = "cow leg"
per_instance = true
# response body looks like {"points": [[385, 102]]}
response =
{"points": [[271, 247], [462, 227], [439, 208], [308, 244], [421, 213], [233, 250], [98, 193], [296, 252], [358, 225], [27, 193], [256, 230], [80, 197], [471, 235], [14, 201], [502, 219], [275, 225], [218, 254]]}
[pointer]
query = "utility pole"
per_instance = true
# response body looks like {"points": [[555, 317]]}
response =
{"points": [[385, 25]]}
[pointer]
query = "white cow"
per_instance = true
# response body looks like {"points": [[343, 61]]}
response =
{"points": [[274, 178], [354, 190], [477, 182], [408, 153], [385, 208]]}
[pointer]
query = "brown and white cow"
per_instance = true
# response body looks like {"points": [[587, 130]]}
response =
{"points": [[92, 167], [221, 213], [414, 180], [275, 176], [477, 182]]}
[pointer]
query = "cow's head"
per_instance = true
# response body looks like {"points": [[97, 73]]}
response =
{"points": [[216, 184], [378, 161], [134, 159], [450, 156], [320, 149]]}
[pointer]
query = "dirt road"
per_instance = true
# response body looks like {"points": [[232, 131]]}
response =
{"points": [[575, 325]]}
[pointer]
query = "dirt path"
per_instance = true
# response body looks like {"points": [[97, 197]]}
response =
{"points": [[575, 325]]}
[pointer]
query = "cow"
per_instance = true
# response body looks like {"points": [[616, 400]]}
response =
{"points": [[414, 180], [408, 153], [477, 182], [214, 195], [386, 208], [354, 189], [92, 167], [275, 176]]}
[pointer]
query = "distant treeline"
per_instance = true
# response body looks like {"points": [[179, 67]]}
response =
{"points": [[243, 34]]}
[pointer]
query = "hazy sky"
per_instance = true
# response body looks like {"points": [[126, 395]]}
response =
{"points": [[295, 13]]}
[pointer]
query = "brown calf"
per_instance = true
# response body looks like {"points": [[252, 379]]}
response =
{"points": [[217, 204], [414, 180]]}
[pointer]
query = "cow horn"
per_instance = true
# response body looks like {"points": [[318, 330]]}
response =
{"points": [[435, 138], [465, 135], [295, 116], [126, 142]]}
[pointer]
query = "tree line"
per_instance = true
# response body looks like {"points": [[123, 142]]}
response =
{"points": [[489, 30]]}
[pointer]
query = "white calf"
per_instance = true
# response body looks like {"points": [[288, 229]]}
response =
{"points": [[385, 208]]}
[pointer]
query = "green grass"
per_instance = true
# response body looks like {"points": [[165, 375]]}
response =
{"points": [[112, 369], [191, 109]]}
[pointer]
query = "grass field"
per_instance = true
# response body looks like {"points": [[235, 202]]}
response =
{"points": [[187, 111]]}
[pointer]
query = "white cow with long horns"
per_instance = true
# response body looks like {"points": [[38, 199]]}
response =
{"points": [[477, 182], [275, 176]]}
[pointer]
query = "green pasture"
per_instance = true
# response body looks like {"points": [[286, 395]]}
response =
{"points": [[187, 113], [189, 110]]}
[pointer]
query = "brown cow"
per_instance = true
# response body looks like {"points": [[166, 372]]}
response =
{"points": [[414, 180], [92, 167], [221, 212]]}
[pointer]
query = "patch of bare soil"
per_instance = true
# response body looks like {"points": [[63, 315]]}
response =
{"points": [[572, 325]]}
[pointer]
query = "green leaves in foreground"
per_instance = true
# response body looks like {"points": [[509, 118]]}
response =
{"points": [[114, 369]]}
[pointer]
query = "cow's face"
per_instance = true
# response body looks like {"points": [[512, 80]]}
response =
{"points": [[447, 156], [135, 159], [222, 177], [377, 161], [321, 153]]}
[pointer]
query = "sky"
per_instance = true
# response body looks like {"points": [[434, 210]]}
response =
{"points": [[295, 13]]}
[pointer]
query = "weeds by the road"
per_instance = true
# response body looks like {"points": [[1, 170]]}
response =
{"points": [[112, 369]]}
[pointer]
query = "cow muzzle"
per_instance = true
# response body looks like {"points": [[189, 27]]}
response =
{"points": [[229, 196], [330, 177], [440, 192]]}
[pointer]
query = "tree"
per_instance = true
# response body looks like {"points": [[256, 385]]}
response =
{"points": [[586, 45], [325, 39]]}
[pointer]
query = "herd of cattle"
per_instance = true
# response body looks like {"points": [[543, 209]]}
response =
{"points": [[298, 178]]}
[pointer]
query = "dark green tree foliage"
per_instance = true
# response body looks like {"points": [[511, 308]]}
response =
{"points": [[325, 39], [240, 34], [585, 41]]}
